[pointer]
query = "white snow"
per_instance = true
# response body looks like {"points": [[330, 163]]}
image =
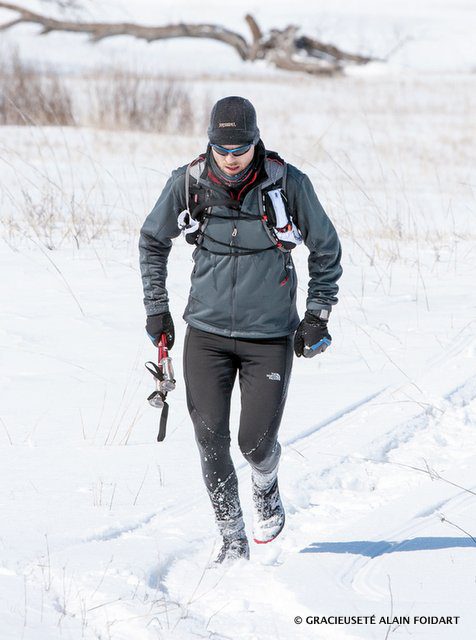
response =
{"points": [[106, 534]]}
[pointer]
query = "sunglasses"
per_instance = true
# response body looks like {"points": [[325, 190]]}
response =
{"points": [[239, 151]]}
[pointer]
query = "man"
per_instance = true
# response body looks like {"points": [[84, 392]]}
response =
{"points": [[245, 209]]}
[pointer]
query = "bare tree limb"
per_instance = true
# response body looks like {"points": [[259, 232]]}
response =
{"points": [[283, 48], [12, 23], [256, 34], [318, 48], [99, 30]]}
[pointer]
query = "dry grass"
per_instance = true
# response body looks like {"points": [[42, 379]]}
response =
{"points": [[126, 100], [115, 99], [53, 220], [32, 97]]}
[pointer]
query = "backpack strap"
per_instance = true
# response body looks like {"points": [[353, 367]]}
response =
{"points": [[189, 226], [276, 168], [194, 170]]}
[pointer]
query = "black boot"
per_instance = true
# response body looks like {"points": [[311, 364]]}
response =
{"points": [[268, 510], [229, 519], [233, 549]]}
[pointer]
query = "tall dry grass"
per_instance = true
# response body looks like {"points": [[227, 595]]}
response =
{"points": [[29, 96], [53, 220], [113, 99], [126, 100]]}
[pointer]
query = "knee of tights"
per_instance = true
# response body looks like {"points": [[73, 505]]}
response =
{"points": [[208, 433], [263, 456]]}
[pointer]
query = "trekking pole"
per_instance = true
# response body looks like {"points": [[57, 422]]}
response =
{"points": [[163, 374]]}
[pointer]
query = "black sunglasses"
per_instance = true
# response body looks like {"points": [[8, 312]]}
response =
{"points": [[239, 151]]}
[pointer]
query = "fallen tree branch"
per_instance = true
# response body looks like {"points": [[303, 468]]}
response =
{"points": [[283, 48]]}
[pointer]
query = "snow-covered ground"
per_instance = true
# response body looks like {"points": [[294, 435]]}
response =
{"points": [[106, 534]]}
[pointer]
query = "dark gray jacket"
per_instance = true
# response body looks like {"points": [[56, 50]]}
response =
{"points": [[245, 296]]}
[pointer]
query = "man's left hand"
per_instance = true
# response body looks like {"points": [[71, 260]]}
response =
{"points": [[311, 336]]}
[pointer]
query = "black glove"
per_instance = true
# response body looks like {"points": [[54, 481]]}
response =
{"points": [[311, 336], [159, 324]]}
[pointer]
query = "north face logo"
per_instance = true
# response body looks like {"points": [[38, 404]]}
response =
{"points": [[226, 124], [273, 376]]}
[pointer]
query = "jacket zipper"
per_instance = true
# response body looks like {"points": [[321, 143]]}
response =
{"points": [[233, 273]]}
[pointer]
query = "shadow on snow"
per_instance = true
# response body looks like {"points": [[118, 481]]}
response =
{"points": [[372, 549]]}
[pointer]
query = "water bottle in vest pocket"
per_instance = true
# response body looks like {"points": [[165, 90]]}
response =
{"points": [[280, 219]]}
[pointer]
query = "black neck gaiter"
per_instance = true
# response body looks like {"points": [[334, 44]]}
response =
{"points": [[240, 179]]}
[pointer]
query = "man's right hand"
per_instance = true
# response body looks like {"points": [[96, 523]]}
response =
{"points": [[157, 325]]}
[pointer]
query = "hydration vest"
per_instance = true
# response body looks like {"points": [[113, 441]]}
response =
{"points": [[274, 215]]}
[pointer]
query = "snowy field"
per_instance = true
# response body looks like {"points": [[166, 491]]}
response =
{"points": [[105, 534]]}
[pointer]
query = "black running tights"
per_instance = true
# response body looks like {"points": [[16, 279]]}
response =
{"points": [[211, 363]]}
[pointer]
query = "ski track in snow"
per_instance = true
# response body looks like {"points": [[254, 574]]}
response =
{"points": [[359, 574], [112, 533], [337, 416], [362, 573]]}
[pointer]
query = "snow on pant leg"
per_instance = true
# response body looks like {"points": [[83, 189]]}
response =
{"points": [[210, 369], [265, 370]]}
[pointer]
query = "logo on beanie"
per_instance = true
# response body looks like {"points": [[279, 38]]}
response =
{"points": [[226, 124]]}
